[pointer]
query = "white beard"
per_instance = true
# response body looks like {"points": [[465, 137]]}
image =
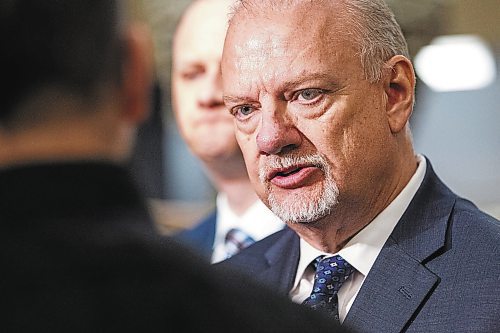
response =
{"points": [[308, 207]]}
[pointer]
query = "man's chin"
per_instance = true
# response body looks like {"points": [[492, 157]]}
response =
{"points": [[304, 211], [306, 207]]}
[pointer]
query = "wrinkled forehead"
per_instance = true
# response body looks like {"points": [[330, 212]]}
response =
{"points": [[290, 31]]}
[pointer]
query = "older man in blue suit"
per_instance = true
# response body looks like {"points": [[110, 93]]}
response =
{"points": [[321, 93]]}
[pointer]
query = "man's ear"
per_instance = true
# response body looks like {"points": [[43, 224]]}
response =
{"points": [[399, 86], [137, 73]]}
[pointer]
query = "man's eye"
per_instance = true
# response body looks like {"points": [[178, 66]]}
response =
{"points": [[309, 94], [192, 73], [188, 76], [243, 110]]}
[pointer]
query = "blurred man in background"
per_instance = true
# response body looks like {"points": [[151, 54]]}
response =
{"points": [[79, 252], [239, 218]]}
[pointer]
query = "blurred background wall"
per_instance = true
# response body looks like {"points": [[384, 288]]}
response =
{"points": [[458, 130]]}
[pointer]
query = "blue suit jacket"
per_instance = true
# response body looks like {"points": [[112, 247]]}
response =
{"points": [[439, 271], [201, 237]]}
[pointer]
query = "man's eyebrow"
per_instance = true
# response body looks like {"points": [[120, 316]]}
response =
{"points": [[232, 99], [186, 64], [304, 78]]}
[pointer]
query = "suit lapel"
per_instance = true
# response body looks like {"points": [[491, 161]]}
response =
{"points": [[282, 261], [399, 282], [390, 296], [209, 232]]}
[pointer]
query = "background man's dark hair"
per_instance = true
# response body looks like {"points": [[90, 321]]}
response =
{"points": [[73, 44]]}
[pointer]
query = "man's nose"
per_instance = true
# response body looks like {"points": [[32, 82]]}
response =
{"points": [[277, 133], [210, 96]]}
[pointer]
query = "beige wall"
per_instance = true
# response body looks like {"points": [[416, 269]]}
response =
{"points": [[163, 16], [480, 17]]}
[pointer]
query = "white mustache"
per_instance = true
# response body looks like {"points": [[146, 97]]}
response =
{"points": [[287, 161]]}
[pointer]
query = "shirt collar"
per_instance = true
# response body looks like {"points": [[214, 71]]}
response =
{"points": [[257, 221], [362, 250]]}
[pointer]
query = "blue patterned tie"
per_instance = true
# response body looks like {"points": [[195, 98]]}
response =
{"points": [[236, 240], [331, 273]]}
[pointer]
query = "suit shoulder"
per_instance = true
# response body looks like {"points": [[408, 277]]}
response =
{"points": [[200, 235], [475, 231], [253, 258], [467, 215], [263, 245]]}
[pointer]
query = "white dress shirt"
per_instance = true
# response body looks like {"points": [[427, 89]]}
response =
{"points": [[361, 251], [258, 222]]}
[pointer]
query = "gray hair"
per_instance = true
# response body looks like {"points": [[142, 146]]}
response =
{"points": [[371, 23]]}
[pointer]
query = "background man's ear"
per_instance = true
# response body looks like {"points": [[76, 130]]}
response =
{"points": [[399, 86], [137, 73]]}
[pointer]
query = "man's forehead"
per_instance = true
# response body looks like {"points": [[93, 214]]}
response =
{"points": [[203, 22], [287, 9], [307, 19], [275, 36], [255, 6], [202, 30]]}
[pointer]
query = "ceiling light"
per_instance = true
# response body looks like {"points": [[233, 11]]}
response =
{"points": [[456, 63]]}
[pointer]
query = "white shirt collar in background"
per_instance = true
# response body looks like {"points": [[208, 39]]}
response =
{"points": [[257, 221]]}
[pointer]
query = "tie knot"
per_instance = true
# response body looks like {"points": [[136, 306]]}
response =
{"points": [[236, 240], [331, 273], [336, 263]]}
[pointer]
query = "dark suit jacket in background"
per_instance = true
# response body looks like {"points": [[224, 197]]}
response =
{"points": [[201, 237], [439, 271], [79, 253]]}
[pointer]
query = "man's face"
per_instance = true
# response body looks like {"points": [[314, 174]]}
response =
{"points": [[313, 131], [202, 118]]}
